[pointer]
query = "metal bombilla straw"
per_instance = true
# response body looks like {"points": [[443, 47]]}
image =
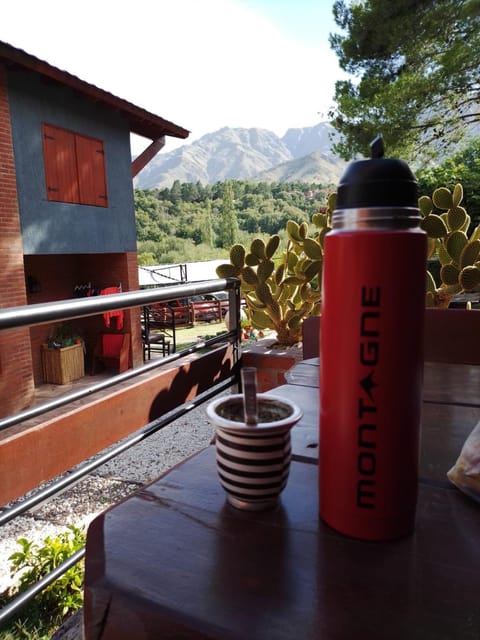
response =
{"points": [[249, 385]]}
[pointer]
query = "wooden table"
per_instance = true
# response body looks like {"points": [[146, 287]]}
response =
{"points": [[176, 561]]}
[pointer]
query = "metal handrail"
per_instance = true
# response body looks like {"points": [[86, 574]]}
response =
{"points": [[35, 314], [42, 313], [45, 312]]}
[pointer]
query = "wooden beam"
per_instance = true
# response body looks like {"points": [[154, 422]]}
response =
{"points": [[144, 158]]}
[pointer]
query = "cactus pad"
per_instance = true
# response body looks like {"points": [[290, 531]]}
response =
{"points": [[264, 293], [456, 217], [449, 274], [434, 226], [455, 243], [469, 278], [293, 231], [469, 253], [425, 205], [237, 255], [303, 230], [271, 246], [312, 249], [332, 201], [295, 280], [251, 260], [265, 270], [457, 195], [320, 220], [314, 269], [249, 276], [442, 198], [258, 248], [279, 274], [227, 271]]}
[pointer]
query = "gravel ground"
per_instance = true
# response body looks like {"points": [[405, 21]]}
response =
{"points": [[107, 484]]}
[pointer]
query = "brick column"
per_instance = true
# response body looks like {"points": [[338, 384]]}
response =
{"points": [[137, 345], [16, 377]]}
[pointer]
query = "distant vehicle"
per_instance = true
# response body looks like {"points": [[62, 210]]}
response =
{"points": [[206, 310], [177, 312], [183, 311], [220, 295]]}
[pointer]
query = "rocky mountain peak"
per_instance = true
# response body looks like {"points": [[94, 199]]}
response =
{"points": [[246, 154]]}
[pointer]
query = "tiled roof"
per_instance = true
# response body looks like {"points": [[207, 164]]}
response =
{"points": [[141, 122]]}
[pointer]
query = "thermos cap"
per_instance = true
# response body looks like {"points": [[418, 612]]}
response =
{"points": [[377, 182]]}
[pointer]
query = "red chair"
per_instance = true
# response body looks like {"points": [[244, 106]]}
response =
{"points": [[112, 351]]}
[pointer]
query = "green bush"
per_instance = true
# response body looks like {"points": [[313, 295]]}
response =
{"points": [[45, 613]]}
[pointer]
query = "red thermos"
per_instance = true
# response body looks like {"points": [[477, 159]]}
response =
{"points": [[371, 351]]}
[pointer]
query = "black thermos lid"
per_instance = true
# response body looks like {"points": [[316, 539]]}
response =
{"points": [[377, 182]]}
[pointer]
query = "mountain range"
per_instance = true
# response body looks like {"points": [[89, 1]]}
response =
{"points": [[259, 155]]}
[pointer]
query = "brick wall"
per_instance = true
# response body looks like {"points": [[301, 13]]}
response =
{"points": [[16, 379]]}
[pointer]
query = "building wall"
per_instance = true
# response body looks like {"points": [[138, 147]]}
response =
{"points": [[46, 248], [58, 227], [16, 380]]}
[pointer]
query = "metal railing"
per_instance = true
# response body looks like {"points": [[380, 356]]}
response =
{"points": [[36, 314]]}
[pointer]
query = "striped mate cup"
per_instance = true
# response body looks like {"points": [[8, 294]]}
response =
{"points": [[253, 461]]}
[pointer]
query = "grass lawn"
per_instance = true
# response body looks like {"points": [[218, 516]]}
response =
{"points": [[187, 336]]}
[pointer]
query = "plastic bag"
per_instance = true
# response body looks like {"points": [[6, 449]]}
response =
{"points": [[465, 474]]}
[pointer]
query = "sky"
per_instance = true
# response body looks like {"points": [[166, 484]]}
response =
{"points": [[202, 64]]}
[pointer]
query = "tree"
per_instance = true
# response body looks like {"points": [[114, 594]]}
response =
{"points": [[170, 229], [463, 167], [207, 228], [419, 75], [176, 192], [229, 224]]}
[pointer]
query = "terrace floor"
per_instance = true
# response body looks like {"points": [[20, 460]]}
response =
{"points": [[46, 392]]}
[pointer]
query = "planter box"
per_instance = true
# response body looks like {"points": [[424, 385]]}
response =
{"points": [[271, 360], [451, 335], [63, 365]]}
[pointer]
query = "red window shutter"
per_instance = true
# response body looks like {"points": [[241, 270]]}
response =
{"points": [[91, 171], [60, 164]]}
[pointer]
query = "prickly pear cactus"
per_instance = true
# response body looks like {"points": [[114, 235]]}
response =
{"points": [[282, 289], [447, 238]]}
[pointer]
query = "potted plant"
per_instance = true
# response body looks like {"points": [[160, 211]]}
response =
{"points": [[63, 336], [281, 286], [446, 223], [63, 356], [451, 335]]}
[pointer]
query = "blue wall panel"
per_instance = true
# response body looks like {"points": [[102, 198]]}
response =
{"points": [[58, 227]]}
